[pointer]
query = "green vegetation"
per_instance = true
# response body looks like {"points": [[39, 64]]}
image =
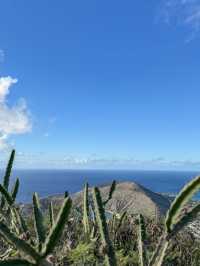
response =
{"points": [[86, 235]]}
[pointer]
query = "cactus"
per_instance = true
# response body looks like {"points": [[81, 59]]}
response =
{"points": [[186, 193], [187, 218], [86, 211], [16, 262], [112, 189], [15, 190], [121, 219], [58, 227], [159, 254], [172, 224], [51, 214], [6, 179], [46, 245], [38, 257], [110, 259], [141, 240], [66, 194], [38, 221], [14, 230], [8, 211], [20, 244], [6, 195]]}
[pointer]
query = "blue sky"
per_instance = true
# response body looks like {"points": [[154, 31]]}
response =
{"points": [[100, 84]]}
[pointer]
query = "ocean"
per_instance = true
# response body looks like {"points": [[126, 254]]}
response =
{"points": [[51, 182]]}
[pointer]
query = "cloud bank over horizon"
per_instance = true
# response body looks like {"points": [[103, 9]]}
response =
{"points": [[44, 160], [14, 120]]}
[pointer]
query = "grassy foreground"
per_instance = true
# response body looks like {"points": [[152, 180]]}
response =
{"points": [[88, 236]]}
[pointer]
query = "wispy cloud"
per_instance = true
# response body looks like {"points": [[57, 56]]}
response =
{"points": [[184, 13], [61, 161], [2, 55], [13, 119]]}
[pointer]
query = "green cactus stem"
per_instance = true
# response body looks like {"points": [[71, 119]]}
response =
{"points": [[111, 191], [86, 211], [57, 229], [141, 240], [20, 244], [110, 258], [38, 221]]}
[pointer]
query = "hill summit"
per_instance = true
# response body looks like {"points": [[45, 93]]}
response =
{"points": [[128, 196], [133, 198]]}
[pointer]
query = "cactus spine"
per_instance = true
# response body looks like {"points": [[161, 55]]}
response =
{"points": [[103, 229]]}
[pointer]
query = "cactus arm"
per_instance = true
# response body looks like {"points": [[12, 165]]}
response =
{"points": [[158, 253], [58, 227], [185, 194], [6, 179], [141, 239], [21, 221], [162, 253], [16, 262], [6, 195], [10, 199], [15, 190], [187, 218], [51, 214], [86, 211], [38, 221], [6, 254], [20, 244], [172, 225], [103, 229], [112, 189], [121, 220]]}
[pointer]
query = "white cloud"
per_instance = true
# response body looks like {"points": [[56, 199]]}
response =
{"points": [[5, 83], [185, 13], [14, 119]]}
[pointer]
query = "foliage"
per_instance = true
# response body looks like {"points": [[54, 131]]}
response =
{"points": [[83, 254], [88, 236]]}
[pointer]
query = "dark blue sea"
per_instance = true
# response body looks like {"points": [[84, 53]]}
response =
{"points": [[48, 182]]}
